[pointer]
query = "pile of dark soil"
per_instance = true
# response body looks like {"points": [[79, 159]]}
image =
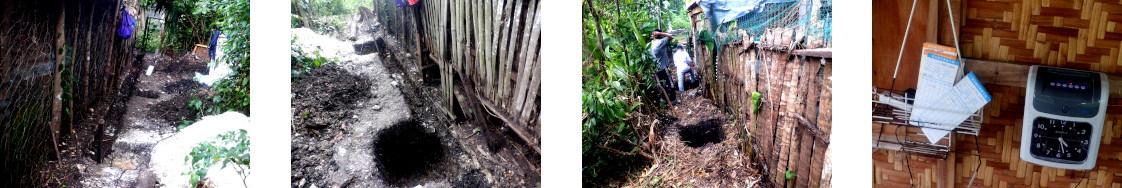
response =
{"points": [[323, 98], [175, 109], [148, 94], [185, 63], [182, 86], [325, 95]]}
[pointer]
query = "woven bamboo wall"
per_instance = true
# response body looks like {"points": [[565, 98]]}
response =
{"points": [[1073, 34], [999, 145], [1063, 33]]}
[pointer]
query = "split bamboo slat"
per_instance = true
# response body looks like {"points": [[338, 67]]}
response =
{"points": [[489, 50]]}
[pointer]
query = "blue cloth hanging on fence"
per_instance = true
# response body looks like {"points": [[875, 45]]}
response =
{"points": [[400, 3], [214, 43], [126, 24]]}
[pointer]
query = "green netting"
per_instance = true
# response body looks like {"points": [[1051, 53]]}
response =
{"points": [[823, 28], [792, 14]]}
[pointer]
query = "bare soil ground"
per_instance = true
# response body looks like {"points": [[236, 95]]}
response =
{"points": [[700, 147], [111, 147]]}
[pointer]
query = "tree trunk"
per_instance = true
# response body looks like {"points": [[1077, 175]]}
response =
{"points": [[56, 110]]}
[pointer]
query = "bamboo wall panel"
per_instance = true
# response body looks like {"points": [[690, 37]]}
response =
{"points": [[791, 130], [1063, 33], [1072, 34]]}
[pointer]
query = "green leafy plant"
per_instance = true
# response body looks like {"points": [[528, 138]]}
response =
{"points": [[756, 102], [232, 17], [789, 174], [187, 23], [618, 79], [302, 61], [230, 148]]}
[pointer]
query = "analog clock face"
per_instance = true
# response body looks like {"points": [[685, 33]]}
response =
{"points": [[1060, 141]]}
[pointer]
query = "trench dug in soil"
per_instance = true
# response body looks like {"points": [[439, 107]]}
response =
{"points": [[369, 120], [111, 147]]}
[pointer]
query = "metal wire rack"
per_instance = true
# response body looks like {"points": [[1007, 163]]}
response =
{"points": [[892, 110]]}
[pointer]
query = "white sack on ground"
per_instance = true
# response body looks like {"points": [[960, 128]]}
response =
{"points": [[167, 157], [218, 69]]}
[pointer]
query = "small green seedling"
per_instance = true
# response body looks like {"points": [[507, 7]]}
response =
{"points": [[755, 102]]}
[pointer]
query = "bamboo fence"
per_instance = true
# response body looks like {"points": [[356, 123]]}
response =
{"points": [[58, 59], [790, 132], [487, 53]]}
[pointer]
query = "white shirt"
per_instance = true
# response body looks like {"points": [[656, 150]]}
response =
{"points": [[682, 59]]}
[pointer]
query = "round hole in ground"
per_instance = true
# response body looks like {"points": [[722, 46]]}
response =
{"points": [[697, 135], [407, 151]]}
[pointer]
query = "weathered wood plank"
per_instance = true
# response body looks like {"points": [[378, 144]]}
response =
{"points": [[809, 111], [790, 106], [775, 93], [825, 106], [818, 52]]}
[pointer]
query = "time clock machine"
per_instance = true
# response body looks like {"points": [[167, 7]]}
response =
{"points": [[1064, 112]]}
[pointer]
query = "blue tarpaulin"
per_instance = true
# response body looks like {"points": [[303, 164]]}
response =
{"points": [[725, 11]]}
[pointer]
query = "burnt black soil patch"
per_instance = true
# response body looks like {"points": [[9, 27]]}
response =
{"points": [[697, 135], [181, 66], [182, 86], [408, 152], [175, 109], [326, 96], [148, 94]]}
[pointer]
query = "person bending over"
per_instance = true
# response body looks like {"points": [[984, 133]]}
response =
{"points": [[684, 64]]}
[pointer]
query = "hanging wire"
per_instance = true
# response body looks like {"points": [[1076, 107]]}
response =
{"points": [[979, 166], [1084, 177]]}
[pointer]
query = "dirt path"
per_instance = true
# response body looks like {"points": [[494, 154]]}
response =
{"points": [[141, 114], [700, 147], [348, 123]]}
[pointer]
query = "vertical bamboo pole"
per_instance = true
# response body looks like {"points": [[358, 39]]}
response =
{"points": [[89, 33], [111, 62]]}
